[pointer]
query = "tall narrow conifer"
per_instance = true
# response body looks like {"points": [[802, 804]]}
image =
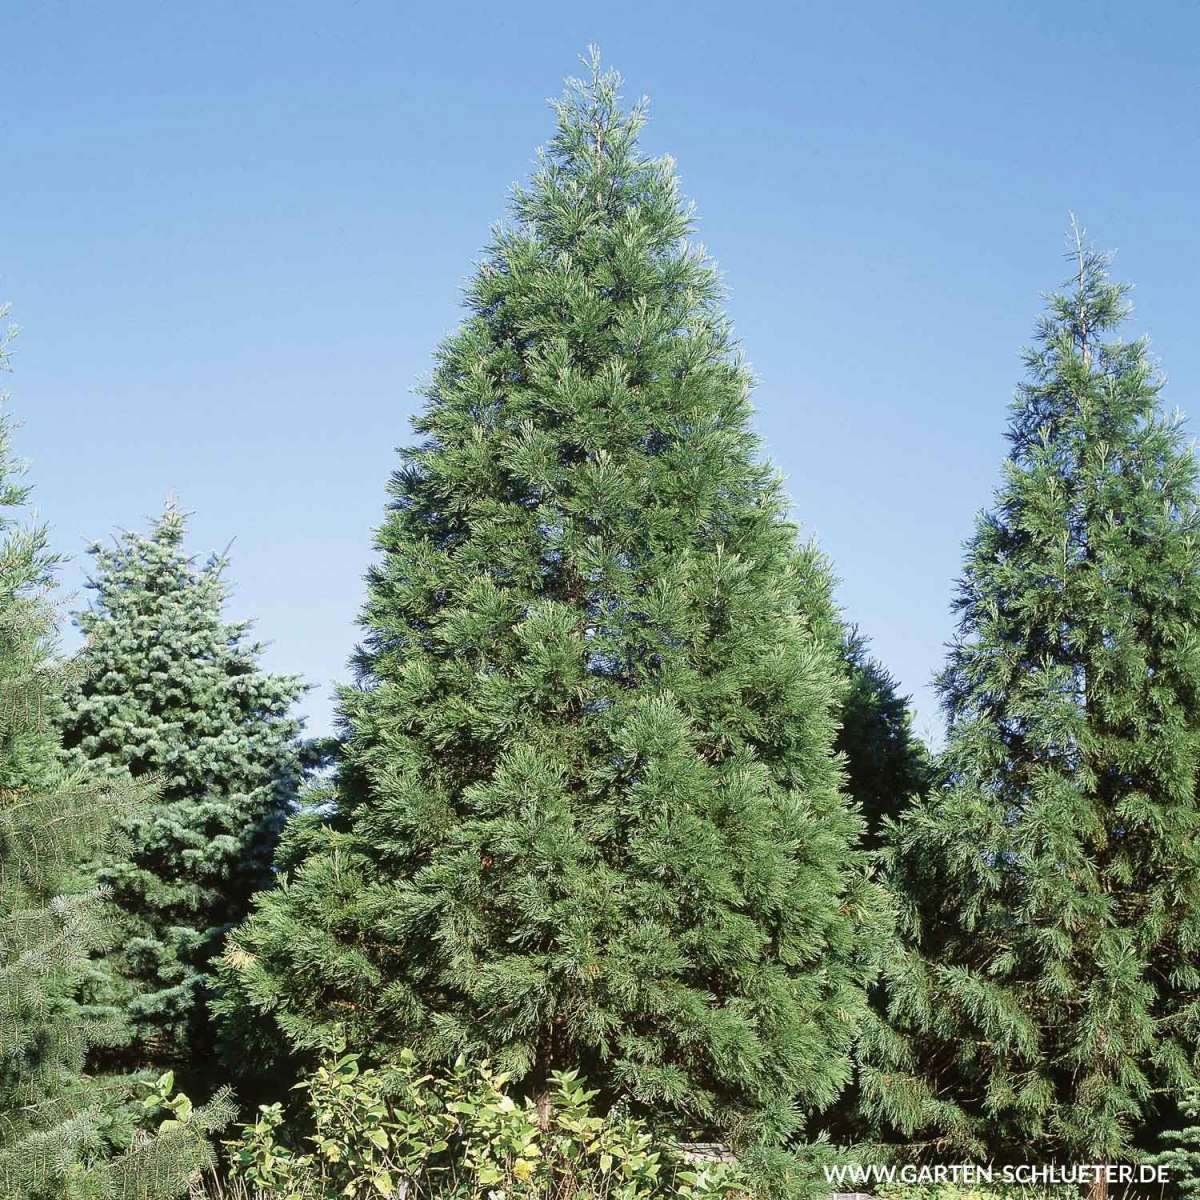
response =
{"points": [[1050, 991]]}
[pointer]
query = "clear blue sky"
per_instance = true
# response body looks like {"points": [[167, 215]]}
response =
{"points": [[233, 233]]}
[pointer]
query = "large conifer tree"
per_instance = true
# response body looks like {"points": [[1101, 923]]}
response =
{"points": [[589, 810], [170, 689], [54, 1119], [1049, 994]]}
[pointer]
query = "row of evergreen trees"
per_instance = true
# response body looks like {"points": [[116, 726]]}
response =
{"points": [[616, 786]]}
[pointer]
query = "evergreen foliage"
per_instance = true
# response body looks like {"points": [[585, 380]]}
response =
{"points": [[1049, 990], [1181, 1153], [887, 764], [173, 691], [588, 814], [53, 1119]]}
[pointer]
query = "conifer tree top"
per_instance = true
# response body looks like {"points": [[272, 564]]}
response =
{"points": [[593, 167], [174, 687], [1070, 346]]}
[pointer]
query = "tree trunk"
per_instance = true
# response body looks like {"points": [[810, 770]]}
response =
{"points": [[1098, 1188], [543, 1066], [542, 1100]]}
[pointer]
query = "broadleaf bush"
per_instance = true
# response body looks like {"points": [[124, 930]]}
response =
{"points": [[398, 1131]]}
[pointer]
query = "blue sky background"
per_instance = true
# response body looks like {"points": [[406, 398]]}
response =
{"points": [[232, 234]]}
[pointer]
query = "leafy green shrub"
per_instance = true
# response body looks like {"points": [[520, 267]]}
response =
{"points": [[397, 1132]]}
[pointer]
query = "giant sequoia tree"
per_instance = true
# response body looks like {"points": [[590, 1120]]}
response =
{"points": [[171, 689], [589, 809], [1051, 991], [55, 1121]]}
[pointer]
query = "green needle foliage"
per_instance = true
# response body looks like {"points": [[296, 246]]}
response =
{"points": [[1052, 886], [887, 764], [1181, 1155], [55, 1122], [589, 812], [171, 690]]}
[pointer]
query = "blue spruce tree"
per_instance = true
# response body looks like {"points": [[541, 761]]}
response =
{"points": [[171, 690]]}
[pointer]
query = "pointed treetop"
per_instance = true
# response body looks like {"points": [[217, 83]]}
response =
{"points": [[591, 176], [591, 122], [1074, 349], [170, 526], [1089, 304]]}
